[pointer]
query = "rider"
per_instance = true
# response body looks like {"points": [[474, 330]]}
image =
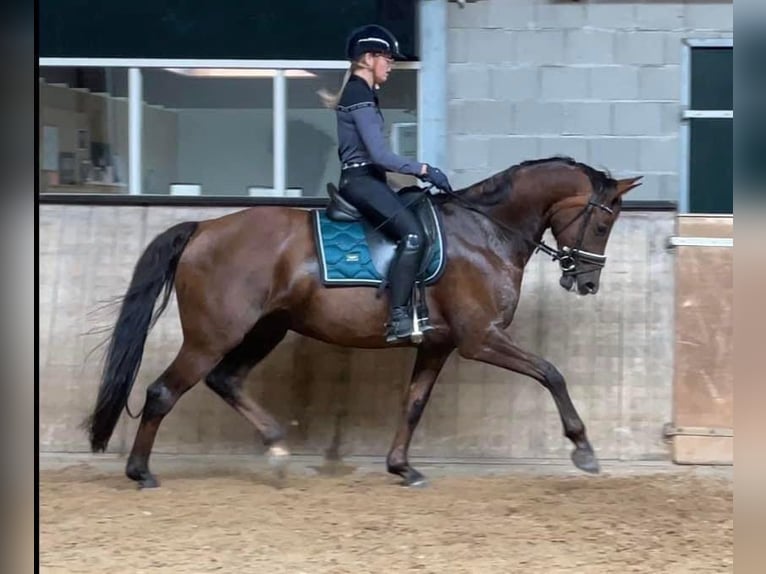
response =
{"points": [[366, 157]]}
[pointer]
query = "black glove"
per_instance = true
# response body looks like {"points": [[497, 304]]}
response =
{"points": [[436, 177]]}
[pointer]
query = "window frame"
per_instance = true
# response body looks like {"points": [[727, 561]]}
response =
{"points": [[135, 101], [688, 114]]}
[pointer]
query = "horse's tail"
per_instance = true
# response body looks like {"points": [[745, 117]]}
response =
{"points": [[154, 272]]}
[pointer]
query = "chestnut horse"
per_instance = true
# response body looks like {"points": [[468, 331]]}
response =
{"points": [[243, 280]]}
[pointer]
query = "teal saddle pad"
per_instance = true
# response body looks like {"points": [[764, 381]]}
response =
{"points": [[347, 258]]}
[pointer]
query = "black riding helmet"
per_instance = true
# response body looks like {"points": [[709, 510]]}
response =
{"points": [[372, 38]]}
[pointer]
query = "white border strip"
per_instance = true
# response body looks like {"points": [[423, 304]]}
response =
{"points": [[701, 242], [710, 114], [186, 63], [709, 42]]}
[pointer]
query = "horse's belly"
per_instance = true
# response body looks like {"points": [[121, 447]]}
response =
{"points": [[344, 316]]}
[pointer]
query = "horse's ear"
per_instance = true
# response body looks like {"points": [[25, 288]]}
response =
{"points": [[625, 185]]}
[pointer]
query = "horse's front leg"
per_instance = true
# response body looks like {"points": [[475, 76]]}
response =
{"points": [[497, 348], [428, 364]]}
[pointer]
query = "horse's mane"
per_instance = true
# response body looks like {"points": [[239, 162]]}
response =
{"points": [[494, 189]]}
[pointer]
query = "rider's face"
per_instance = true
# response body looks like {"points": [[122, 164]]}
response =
{"points": [[381, 67]]}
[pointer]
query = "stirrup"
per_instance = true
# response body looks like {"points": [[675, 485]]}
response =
{"points": [[420, 313], [399, 327], [424, 324]]}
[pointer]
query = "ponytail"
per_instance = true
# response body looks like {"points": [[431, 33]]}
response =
{"points": [[331, 100]]}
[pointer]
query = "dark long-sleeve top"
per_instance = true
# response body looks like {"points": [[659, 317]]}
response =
{"points": [[360, 130]]}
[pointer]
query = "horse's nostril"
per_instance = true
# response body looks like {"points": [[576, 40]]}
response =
{"points": [[591, 287]]}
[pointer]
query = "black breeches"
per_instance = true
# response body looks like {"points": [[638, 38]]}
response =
{"points": [[377, 202], [384, 209]]}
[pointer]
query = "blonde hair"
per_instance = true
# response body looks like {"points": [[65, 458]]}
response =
{"points": [[329, 99]]}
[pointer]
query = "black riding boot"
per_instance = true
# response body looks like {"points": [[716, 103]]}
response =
{"points": [[401, 276]]}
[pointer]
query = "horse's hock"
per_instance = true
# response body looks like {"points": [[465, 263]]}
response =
{"points": [[615, 349]]}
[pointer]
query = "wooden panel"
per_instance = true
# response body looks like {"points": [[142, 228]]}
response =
{"points": [[703, 450], [704, 379]]}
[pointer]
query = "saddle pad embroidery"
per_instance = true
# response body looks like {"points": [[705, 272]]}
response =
{"points": [[345, 258]]}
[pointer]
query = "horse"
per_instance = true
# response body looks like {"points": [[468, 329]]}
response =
{"points": [[243, 280]]}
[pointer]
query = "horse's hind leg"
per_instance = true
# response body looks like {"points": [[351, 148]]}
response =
{"points": [[189, 366], [428, 364], [227, 378]]}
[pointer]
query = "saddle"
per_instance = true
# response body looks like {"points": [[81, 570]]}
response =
{"points": [[351, 252], [382, 248]]}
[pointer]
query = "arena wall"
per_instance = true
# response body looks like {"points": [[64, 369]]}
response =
{"points": [[615, 349]]}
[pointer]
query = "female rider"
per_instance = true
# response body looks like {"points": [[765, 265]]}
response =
{"points": [[366, 157]]}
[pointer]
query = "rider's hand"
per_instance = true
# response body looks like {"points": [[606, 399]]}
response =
{"points": [[436, 177]]}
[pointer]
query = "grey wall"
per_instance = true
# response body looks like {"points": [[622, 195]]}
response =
{"points": [[599, 81], [615, 349]]}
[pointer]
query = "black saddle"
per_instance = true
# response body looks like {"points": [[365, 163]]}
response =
{"points": [[381, 247]]}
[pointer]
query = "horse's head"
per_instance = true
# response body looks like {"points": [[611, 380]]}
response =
{"points": [[581, 225]]}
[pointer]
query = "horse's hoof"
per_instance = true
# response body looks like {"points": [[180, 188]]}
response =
{"points": [[140, 474], [413, 479], [279, 457], [421, 482], [586, 460], [149, 481]]}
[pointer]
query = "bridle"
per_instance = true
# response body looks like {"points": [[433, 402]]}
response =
{"points": [[570, 259]]}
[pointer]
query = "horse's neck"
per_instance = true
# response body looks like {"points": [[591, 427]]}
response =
{"points": [[525, 208]]}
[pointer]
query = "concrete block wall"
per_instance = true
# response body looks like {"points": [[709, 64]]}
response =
{"points": [[600, 81]]}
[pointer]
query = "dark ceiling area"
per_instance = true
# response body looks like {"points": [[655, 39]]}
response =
{"points": [[288, 29]]}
